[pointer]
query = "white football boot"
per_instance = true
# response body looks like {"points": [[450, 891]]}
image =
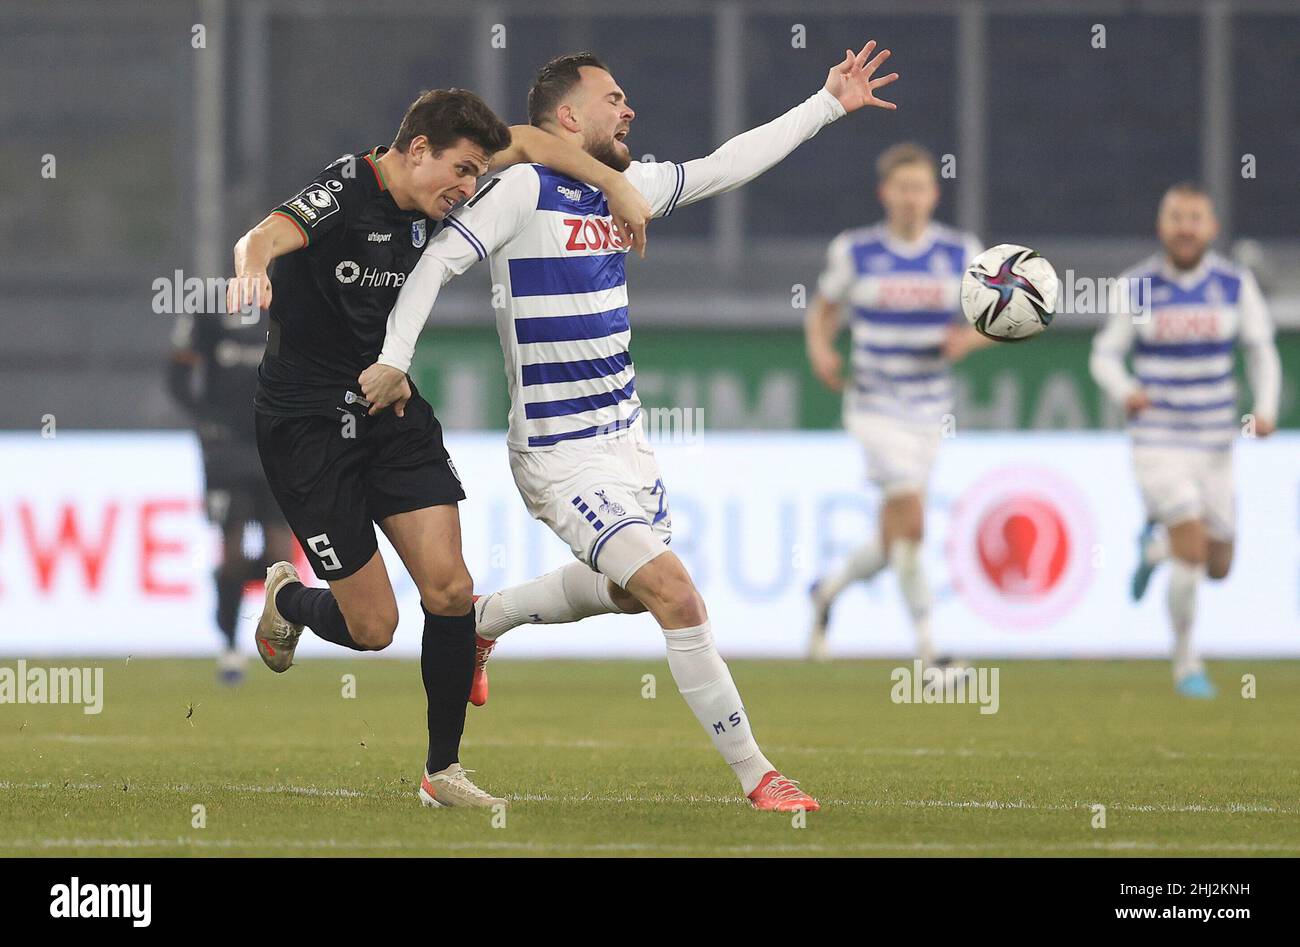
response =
{"points": [[451, 787], [277, 639]]}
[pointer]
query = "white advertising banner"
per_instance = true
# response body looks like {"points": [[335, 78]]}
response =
{"points": [[1030, 541]]}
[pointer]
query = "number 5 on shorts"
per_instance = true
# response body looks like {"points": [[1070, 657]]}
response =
{"points": [[321, 546]]}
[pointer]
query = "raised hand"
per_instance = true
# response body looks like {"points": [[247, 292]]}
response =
{"points": [[851, 81]]}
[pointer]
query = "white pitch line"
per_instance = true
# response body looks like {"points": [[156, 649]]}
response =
{"points": [[561, 744], [963, 752], [625, 799], [1231, 808], [216, 787], [608, 847]]}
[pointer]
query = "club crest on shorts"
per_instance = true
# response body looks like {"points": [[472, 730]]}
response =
{"points": [[419, 232], [608, 507]]}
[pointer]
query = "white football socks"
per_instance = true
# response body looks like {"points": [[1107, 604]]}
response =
{"points": [[1184, 577], [905, 560], [706, 685], [568, 594], [865, 562]]}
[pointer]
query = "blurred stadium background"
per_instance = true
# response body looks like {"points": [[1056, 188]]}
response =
{"points": [[166, 154]]}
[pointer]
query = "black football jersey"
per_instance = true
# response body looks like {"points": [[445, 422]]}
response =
{"points": [[330, 299], [230, 347]]}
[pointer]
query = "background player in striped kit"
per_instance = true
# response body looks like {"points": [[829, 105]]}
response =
{"points": [[1193, 307], [901, 281], [579, 455]]}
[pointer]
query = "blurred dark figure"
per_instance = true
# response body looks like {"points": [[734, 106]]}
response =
{"points": [[213, 375]]}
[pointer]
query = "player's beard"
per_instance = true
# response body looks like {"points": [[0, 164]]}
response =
{"points": [[607, 153], [1190, 261]]}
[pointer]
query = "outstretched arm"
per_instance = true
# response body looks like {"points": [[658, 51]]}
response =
{"points": [[849, 87]]}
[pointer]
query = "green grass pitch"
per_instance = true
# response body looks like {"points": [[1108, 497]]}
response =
{"points": [[285, 765]]}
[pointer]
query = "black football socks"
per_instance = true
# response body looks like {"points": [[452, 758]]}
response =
{"points": [[447, 667], [230, 592], [318, 610]]}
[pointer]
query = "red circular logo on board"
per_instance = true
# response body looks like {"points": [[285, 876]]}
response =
{"points": [[1023, 545], [1020, 546]]}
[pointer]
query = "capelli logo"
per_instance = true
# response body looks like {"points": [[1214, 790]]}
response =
{"points": [[572, 193], [134, 901]]}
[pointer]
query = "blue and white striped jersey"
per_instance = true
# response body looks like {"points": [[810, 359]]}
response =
{"points": [[902, 299], [1183, 350], [561, 294], [560, 287]]}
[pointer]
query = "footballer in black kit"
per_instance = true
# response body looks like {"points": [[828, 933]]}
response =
{"points": [[338, 467], [213, 376], [336, 470]]}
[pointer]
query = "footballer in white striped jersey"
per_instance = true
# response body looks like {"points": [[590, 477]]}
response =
{"points": [[899, 282], [578, 452], [1187, 310]]}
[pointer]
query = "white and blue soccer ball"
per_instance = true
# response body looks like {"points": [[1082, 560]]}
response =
{"points": [[1009, 293]]}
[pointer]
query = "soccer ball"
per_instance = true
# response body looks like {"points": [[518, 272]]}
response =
{"points": [[1009, 293]]}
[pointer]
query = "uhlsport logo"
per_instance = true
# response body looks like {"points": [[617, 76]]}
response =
{"points": [[78, 899], [1020, 546]]}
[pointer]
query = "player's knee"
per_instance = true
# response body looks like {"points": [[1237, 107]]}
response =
{"points": [[690, 610], [1188, 542], [1193, 552], [451, 596], [678, 600], [625, 601], [375, 630]]}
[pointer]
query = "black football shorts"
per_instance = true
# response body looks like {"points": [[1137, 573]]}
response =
{"points": [[235, 489], [333, 487]]}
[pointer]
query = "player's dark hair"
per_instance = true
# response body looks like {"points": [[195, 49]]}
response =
{"points": [[554, 81], [445, 116]]}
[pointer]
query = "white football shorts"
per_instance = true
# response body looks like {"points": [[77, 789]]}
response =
{"points": [[604, 497], [900, 454], [1180, 484]]}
